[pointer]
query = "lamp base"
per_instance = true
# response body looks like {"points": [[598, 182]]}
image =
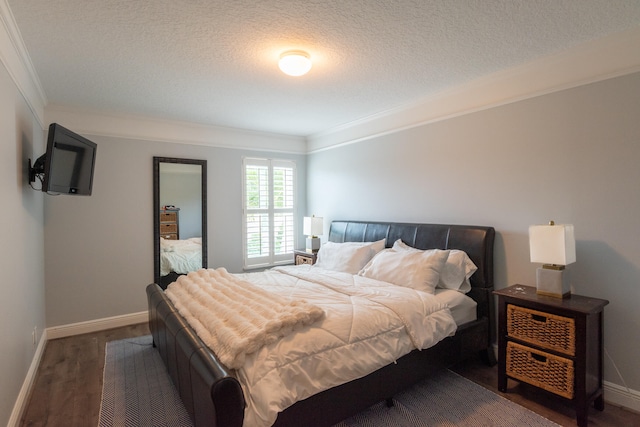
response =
{"points": [[553, 283], [313, 244]]}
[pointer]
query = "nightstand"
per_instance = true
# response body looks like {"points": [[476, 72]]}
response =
{"points": [[301, 256], [169, 224], [552, 343]]}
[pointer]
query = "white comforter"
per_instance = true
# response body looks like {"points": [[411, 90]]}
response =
{"points": [[367, 325], [181, 256]]}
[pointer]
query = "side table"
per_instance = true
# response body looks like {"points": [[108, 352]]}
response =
{"points": [[552, 343], [301, 256]]}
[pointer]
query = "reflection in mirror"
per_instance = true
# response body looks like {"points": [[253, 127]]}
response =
{"points": [[180, 217]]}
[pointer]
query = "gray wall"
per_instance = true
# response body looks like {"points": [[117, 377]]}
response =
{"points": [[570, 156], [99, 249], [22, 254]]}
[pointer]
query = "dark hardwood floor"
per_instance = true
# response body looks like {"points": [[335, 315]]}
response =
{"points": [[68, 386]]}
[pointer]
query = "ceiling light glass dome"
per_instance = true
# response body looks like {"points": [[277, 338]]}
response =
{"points": [[295, 63]]}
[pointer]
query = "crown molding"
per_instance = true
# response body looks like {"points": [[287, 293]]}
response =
{"points": [[600, 59], [15, 58], [173, 131]]}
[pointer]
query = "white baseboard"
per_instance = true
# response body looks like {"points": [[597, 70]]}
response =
{"points": [[96, 325], [621, 396], [25, 390]]}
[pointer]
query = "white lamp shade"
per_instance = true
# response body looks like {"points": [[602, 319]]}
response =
{"points": [[552, 244], [312, 226]]}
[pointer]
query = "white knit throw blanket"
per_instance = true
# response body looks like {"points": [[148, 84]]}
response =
{"points": [[233, 317]]}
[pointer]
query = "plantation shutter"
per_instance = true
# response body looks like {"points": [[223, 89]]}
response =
{"points": [[268, 212]]}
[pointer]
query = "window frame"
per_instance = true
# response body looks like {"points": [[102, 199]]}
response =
{"points": [[271, 259]]}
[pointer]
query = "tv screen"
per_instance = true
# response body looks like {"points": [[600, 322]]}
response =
{"points": [[67, 166]]}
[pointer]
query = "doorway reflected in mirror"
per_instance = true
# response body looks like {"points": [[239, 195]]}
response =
{"points": [[180, 227]]}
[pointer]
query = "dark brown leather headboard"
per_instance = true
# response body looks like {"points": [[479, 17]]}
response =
{"points": [[476, 241]]}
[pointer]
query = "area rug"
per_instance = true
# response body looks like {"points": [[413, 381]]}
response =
{"points": [[137, 391]]}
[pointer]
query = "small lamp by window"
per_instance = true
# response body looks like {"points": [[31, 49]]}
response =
{"points": [[312, 227], [555, 247]]}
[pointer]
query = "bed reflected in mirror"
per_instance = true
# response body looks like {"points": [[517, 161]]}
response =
{"points": [[180, 217]]}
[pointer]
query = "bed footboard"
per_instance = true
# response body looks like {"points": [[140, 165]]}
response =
{"points": [[210, 392]]}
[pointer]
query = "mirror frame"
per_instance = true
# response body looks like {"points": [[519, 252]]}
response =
{"points": [[156, 216]]}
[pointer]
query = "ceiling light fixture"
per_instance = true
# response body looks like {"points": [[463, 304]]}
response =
{"points": [[295, 63]]}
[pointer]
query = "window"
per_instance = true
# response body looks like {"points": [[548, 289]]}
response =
{"points": [[268, 212]]}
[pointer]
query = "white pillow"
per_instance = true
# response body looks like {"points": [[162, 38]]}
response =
{"points": [[418, 270], [348, 257], [456, 272]]}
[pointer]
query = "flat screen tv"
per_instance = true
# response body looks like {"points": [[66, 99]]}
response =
{"points": [[67, 166]]}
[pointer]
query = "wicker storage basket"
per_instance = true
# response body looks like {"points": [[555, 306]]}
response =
{"points": [[167, 216], [303, 260], [168, 228], [542, 329], [543, 370]]}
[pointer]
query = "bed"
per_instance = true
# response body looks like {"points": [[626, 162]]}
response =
{"points": [[213, 395], [180, 256]]}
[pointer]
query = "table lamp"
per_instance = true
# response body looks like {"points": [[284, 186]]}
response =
{"points": [[312, 227], [554, 245]]}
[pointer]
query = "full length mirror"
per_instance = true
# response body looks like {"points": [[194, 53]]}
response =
{"points": [[179, 217]]}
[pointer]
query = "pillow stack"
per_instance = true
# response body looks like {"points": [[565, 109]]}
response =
{"points": [[456, 272], [401, 265], [419, 270]]}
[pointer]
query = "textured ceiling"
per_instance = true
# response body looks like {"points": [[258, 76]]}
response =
{"points": [[215, 62]]}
